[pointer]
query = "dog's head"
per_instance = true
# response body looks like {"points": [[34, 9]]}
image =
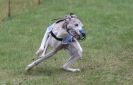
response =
{"points": [[74, 26]]}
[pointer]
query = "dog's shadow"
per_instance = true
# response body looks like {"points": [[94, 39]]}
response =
{"points": [[45, 71]]}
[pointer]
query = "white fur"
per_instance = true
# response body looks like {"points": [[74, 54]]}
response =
{"points": [[73, 49]]}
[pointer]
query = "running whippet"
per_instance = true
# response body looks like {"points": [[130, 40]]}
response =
{"points": [[63, 34]]}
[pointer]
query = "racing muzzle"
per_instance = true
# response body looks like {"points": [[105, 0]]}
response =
{"points": [[82, 34]]}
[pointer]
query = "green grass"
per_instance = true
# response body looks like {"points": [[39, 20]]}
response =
{"points": [[108, 49]]}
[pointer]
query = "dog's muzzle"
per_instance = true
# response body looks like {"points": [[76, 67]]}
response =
{"points": [[82, 35]]}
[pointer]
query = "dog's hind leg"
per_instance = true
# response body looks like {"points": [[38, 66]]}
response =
{"points": [[45, 48], [43, 43], [48, 55]]}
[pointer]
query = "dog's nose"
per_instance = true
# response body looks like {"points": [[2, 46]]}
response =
{"points": [[83, 34]]}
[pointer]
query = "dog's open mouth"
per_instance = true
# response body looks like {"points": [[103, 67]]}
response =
{"points": [[75, 34]]}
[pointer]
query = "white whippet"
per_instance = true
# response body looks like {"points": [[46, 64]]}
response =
{"points": [[63, 34]]}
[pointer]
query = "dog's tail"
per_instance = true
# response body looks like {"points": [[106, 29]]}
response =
{"points": [[44, 40]]}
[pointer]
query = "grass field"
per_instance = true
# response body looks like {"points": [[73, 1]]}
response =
{"points": [[108, 49]]}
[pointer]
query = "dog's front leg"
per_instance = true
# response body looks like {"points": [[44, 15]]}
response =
{"points": [[75, 52], [67, 65]]}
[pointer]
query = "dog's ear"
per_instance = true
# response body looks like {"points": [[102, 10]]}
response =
{"points": [[71, 14], [65, 25]]}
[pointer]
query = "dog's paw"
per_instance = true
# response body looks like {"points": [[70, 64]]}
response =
{"points": [[30, 66], [39, 52], [72, 70]]}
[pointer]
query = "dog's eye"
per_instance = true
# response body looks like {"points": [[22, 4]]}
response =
{"points": [[76, 25]]}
